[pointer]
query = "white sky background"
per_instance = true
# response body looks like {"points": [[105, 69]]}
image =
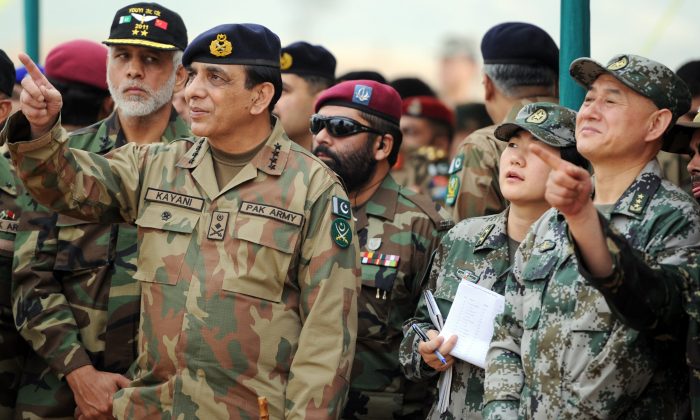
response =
{"points": [[396, 37]]}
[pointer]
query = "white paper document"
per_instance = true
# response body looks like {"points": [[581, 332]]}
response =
{"points": [[471, 319]]}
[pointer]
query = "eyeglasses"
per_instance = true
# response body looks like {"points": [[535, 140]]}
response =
{"points": [[338, 126]]}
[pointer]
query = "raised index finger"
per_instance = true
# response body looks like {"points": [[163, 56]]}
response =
{"points": [[552, 160], [33, 70]]}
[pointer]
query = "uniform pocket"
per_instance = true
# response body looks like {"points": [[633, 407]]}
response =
{"points": [[165, 233], [535, 276], [263, 249], [374, 301], [81, 244]]}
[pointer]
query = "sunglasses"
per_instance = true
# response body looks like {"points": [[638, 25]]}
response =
{"points": [[338, 126]]}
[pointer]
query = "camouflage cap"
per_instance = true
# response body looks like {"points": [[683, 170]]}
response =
{"points": [[677, 140], [550, 123], [647, 77]]}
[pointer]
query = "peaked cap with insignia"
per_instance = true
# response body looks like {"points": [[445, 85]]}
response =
{"points": [[647, 77], [550, 123], [148, 25]]}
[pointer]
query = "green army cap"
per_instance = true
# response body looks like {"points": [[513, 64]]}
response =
{"points": [[677, 140], [647, 77], [550, 123]]}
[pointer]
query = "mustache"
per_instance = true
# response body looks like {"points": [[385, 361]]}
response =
{"points": [[326, 151]]}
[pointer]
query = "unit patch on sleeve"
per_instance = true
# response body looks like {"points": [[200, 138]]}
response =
{"points": [[341, 207], [341, 233]]}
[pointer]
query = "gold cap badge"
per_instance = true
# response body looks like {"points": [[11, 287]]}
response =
{"points": [[621, 63], [220, 47], [537, 117], [286, 61]]}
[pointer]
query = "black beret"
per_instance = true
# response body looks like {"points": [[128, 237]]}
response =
{"points": [[519, 43], [235, 43], [305, 59], [7, 74], [362, 75], [148, 25], [412, 86]]}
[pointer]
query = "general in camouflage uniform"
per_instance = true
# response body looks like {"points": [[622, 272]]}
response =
{"points": [[75, 297], [13, 349], [566, 346], [248, 290], [521, 65], [478, 250], [356, 133]]}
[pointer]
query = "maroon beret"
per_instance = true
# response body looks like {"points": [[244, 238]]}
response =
{"points": [[365, 95], [428, 107], [79, 61]]}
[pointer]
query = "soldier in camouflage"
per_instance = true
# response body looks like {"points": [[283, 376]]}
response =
{"points": [[521, 65], [594, 321], [481, 249], [684, 139], [248, 273], [427, 126], [356, 132], [13, 348], [75, 297]]}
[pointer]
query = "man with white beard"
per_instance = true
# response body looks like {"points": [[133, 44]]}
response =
{"points": [[74, 297]]}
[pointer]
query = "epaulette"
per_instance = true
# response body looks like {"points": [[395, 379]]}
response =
{"points": [[429, 207]]}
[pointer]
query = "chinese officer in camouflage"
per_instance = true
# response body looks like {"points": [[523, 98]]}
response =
{"points": [[248, 273], [356, 133], [427, 126], [75, 297], [306, 71], [521, 65], [593, 325], [481, 249], [13, 348]]}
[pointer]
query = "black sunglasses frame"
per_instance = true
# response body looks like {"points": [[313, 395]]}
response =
{"points": [[330, 123]]}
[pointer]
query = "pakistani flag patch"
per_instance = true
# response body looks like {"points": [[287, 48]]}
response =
{"points": [[341, 207], [125, 19]]}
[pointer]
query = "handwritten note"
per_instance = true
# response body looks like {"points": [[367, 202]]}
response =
{"points": [[471, 319]]}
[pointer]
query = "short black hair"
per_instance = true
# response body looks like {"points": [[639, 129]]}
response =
{"points": [[690, 74], [255, 75], [82, 103], [317, 83], [570, 154], [387, 127]]}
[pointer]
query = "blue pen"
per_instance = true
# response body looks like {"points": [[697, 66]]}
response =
{"points": [[425, 338]]}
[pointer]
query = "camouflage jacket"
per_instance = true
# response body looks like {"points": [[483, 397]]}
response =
{"points": [[424, 170], [476, 249], [397, 231], [560, 351], [472, 188], [73, 287], [247, 291], [12, 346]]}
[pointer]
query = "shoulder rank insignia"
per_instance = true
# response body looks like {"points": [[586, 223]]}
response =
{"points": [[375, 258], [341, 207], [341, 233], [456, 164], [484, 234], [452, 190], [546, 245], [638, 203]]}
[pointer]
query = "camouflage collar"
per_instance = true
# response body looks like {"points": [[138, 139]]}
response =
{"points": [[271, 159], [111, 136], [384, 201], [637, 196], [493, 236]]}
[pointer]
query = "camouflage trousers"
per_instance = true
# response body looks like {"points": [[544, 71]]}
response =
{"points": [[42, 395], [13, 350]]}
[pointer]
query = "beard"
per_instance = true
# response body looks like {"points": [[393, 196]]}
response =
{"points": [[138, 106], [355, 168]]}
